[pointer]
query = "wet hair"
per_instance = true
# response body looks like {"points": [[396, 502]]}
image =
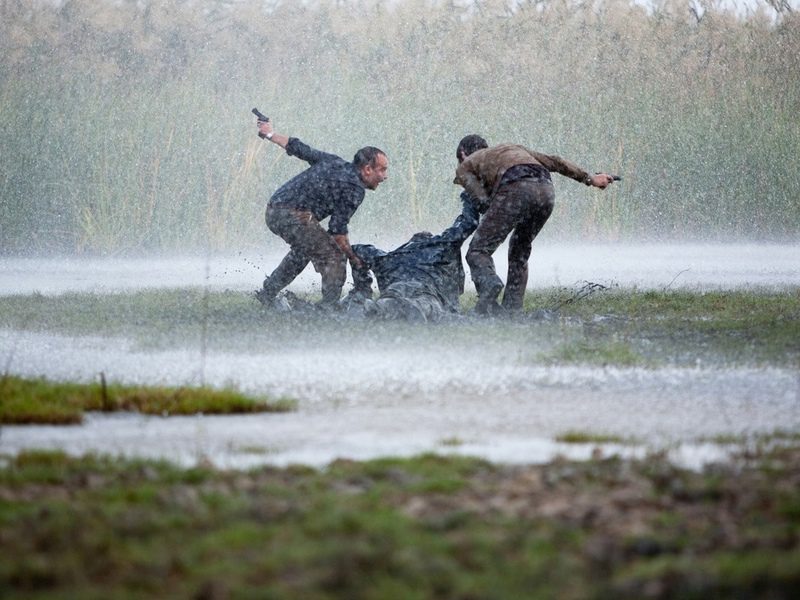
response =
{"points": [[470, 144], [366, 156]]}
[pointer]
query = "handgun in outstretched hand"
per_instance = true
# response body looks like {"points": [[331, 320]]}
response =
{"points": [[261, 119]]}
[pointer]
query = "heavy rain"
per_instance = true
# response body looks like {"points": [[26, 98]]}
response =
{"points": [[187, 411], [130, 163]]}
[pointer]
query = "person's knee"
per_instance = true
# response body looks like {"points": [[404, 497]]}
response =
{"points": [[335, 270], [331, 256], [519, 259], [476, 257]]}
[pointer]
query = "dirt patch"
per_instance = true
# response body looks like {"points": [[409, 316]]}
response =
{"points": [[423, 527]]}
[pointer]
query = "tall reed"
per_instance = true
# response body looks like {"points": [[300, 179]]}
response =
{"points": [[127, 127]]}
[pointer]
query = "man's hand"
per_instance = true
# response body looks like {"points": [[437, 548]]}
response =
{"points": [[357, 264], [602, 180], [343, 242], [265, 129]]}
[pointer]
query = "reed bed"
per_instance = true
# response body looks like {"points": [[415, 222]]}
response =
{"points": [[126, 127]]}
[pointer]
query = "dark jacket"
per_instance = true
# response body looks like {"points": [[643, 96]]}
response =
{"points": [[432, 262], [330, 187]]}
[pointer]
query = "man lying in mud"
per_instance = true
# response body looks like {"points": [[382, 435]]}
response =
{"points": [[418, 281]]}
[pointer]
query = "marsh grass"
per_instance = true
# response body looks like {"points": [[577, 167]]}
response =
{"points": [[586, 437], [157, 151], [614, 327], [423, 527], [596, 352], [648, 328], [27, 401]]}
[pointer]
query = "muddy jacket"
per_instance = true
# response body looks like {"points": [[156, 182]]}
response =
{"points": [[427, 265], [330, 187], [482, 171]]}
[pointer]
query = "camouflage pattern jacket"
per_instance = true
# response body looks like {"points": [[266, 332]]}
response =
{"points": [[330, 187], [431, 263]]}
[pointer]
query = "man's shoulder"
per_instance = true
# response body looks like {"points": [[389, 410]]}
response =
{"points": [[492, 152], [506, 146], [345, 172], [297, 147], [510, 149], [502, 156]]}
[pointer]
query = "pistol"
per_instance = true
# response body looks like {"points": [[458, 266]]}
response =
{"points": [[260, 117], [613, 177]]}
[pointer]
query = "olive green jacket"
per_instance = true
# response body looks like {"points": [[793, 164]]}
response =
{"points": [[481, 171]]}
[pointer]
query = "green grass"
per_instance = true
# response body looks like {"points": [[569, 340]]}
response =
{"points": [[423, 527], [612, 327], [596, 352], [585, 437], [627, 327], [26, 401]]}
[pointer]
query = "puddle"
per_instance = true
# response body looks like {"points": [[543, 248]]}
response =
{"points": [[363, 404]]}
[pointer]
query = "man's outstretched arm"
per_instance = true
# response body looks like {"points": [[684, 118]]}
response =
{"points": [[569, 169], [466, 222], [292, 145]]}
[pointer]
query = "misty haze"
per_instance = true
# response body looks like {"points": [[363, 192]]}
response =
{"points": [[178, 421]]}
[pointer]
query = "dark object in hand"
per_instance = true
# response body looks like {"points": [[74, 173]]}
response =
{"points": [[261, 118], [613, 177]]}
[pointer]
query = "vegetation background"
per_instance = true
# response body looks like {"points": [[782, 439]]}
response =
{"points": [[125, 125]]}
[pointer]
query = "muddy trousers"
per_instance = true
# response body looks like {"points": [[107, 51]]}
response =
{"points": [[309, 242], [410, 301], [520, 208]]}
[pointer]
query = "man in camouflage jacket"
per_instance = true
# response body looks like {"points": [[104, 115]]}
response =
{"points": [[515, 194]]}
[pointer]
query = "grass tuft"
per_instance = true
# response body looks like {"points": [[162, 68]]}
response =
{"points": [[29, 401], [585, 437]]}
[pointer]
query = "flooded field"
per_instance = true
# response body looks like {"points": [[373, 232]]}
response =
{"points": [[480, 388], [701, 266]]}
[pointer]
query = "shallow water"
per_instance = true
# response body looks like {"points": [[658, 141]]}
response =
{"points": [[646, 266], [357, 403]]}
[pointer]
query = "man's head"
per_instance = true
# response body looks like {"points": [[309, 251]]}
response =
{"points": [[421, 236], [372, 165], [468, 145]]}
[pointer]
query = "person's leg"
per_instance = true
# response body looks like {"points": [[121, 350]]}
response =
{"points": [[407, 300], [282, 223], [309, 239], [501, 218], [334, 273], [285, 273], [539, 206]]}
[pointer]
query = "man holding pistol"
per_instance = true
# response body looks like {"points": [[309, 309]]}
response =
{"points": [[330, 187], [512, 187]]}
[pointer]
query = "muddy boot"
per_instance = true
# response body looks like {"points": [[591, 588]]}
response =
{"points": [[487, 301], [267, 294]]}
